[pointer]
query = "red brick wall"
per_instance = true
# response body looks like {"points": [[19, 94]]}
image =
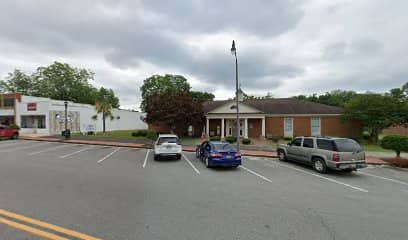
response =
{"points": [[330, 126], [334, 126], [301, 126], [274, 126], [401, 130], [256, 130]]}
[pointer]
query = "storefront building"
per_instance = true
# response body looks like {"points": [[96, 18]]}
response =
{"points": [[44, 116]]}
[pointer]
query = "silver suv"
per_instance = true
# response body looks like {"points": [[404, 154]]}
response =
{"points": [[323, 153]]}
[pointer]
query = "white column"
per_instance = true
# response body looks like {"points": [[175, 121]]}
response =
{"points": [[207, 128], [227, 127], [222, 128], [263, 127], [246, 128]]}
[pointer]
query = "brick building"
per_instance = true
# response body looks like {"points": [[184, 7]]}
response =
{"points": [[287, 117]]}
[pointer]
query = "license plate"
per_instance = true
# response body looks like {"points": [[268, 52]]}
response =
{"points": [[228, 157], [168, 147], [353, 165]]}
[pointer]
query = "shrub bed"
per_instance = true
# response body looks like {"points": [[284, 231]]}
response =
{"points": [[398, 143], [215, 138], [246, 141], [231, 139]]}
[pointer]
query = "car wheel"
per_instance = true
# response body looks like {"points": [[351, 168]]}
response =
{"points": [[156, 157], [319, 165], [281, 155], [197, 153], [207, 162]]}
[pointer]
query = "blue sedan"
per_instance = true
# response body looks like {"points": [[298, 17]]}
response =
{"points": [[218, 154]]}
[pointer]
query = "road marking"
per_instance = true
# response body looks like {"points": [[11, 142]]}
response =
{"points": [[145, 160], [48, 226], [110, 154], [25, 147], [384, 178], [190, 163], [50, 149], [79, 151], [325, 178], [256, 174], [31, 230]]}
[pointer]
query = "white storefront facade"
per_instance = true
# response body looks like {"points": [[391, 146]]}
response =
{"points": [[44, 116]]}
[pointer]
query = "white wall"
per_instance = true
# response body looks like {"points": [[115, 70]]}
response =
{"points": [[128, 120]]}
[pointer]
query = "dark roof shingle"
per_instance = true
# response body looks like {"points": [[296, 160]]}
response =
{"points": [[280, 106]]}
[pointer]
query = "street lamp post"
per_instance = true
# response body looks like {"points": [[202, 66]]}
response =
{"points": [[66, 120], [234, 52]]}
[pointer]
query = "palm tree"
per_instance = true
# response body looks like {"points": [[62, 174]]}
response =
{"points": [[106, 109]]}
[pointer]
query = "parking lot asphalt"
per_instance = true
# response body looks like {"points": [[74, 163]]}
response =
{"points": [[97, 192]]}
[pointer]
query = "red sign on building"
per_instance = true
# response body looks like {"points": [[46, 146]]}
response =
{"points": [[31, 106]]}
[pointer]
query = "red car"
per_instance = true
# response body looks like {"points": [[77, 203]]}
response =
{"points": [[8, 133]]}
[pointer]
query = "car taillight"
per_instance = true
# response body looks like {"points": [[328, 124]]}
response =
{"points": [[237, 154], [217, 155], [336, 157]]}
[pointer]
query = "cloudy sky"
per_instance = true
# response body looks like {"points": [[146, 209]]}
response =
{"points": [[285, 47]]}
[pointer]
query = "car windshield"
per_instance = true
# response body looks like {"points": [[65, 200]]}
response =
{"points": [[224, 147], [347, 145], [167, 140]]}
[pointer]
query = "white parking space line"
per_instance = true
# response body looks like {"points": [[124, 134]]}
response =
{"points": [[325, 178], [110, 154], [50, 149], [383, 178], [256, 174], [24, 147], [145, 160], [190, 163], [76, 152]]}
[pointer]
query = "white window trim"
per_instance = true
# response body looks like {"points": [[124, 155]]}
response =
{"points": [[311, 126], [284, 127]]}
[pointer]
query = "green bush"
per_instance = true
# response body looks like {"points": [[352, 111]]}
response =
{"points": [[151, 135], [140, 133], [275, 138], [246, 141], [231, 139], [215, 138], [398, 143], [287, 138], [14, 126]]}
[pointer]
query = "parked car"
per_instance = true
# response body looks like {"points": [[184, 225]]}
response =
{"points": [[215, 153], [8, 133], [168, 146], [324, 152]]}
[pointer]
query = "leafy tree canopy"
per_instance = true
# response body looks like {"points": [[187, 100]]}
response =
{"points": [[58, 81], [202, 96]]}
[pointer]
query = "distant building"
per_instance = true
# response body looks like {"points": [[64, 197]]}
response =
{"points": [[44, 116], [286, 117]]}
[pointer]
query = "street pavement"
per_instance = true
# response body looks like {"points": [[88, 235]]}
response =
{"points": [[108, 192]]}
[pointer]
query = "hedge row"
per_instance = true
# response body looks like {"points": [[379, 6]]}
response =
{"points": [[145, 133]]}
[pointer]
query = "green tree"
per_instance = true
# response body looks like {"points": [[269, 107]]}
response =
{"points": [[60, 81], [18, 82], [159, 85], [105, 102], [398, 143], [334, 98], [202, 96], [376, 112]]}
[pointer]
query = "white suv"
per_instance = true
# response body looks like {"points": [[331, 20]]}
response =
{"points": [[167, 145]]}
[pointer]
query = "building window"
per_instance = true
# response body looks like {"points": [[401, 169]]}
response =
{"points": [[288, 127], [33, 121], [316, 127], [8, 102]]}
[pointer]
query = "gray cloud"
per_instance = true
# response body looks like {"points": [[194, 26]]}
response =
{"points": [[284, 46]]}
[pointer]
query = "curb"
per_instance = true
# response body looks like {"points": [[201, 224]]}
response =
{"points": [[100, 143]]}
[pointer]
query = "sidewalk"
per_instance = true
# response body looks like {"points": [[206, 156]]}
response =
{"points": [[254, 153]]}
